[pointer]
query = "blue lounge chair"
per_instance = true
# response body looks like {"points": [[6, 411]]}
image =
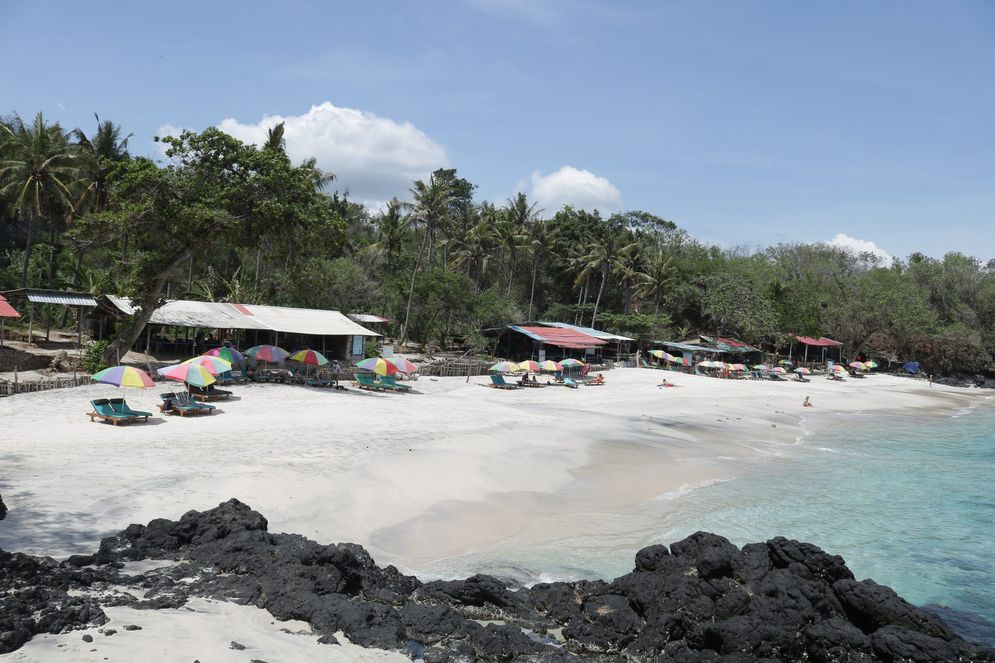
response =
{"points": [[119, 405], [171, 403], [570, 383], [391, 383], [366, 381], [498, 382], [102, 408], [183, 398]]}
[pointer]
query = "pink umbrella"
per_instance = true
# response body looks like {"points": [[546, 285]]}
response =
{"points": [[403, 365]]}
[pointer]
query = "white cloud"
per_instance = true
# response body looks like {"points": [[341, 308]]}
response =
{"points": [[374, 158], [571, 186], [858, 246]]}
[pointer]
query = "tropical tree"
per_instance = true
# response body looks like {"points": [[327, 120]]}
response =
{"points": [[602, 256], [656, 277], [36, 174], [391, 230]]}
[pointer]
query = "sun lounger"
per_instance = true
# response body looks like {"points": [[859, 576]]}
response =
{"points": [[171, 403], [119, 405], [391, 383], [102, 408], [366, 381], [498, 382], [209, 393], [183, 398], [775, 377], [570, 383]]}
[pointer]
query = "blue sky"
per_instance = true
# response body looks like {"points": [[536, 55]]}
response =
{"points": [[744, 122]]}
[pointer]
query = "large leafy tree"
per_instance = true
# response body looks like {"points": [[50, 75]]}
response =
{"points": [[36, 174], [214, 192]]}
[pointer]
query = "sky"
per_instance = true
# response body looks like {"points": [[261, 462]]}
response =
{"points": [[746, 123]]}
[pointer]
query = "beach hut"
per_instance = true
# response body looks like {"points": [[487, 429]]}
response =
{"points": [[6, 311]]}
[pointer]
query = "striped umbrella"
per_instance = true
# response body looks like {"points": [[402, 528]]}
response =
{"points": [[779, 370], [214, 365], [659, 354], [123, 376], [571, 362], [309, 357], [190, 373], [267, 353], [761, 367], [529, 365], [839, 368], [871, 364], [378, 365], [231, 355], [403, 365], [859, 365], [737, 367], [801, 370], [785, 362], [550, 365], [505, 367]]}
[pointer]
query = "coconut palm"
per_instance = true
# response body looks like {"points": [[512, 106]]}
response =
{"points": [[432, 202], [96, 157], [656, 277], [36, 173], [599, 259], [391, 227], [540, 242]]}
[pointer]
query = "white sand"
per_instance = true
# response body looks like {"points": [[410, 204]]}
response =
{"points": [[415, 478]]}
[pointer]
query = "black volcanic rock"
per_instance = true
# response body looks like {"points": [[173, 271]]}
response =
{"points": [[3, 508], [703, 599]]}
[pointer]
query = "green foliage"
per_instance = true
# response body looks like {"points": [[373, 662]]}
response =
{"points": [[93, 358]]}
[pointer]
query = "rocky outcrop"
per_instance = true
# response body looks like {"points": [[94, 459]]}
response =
{"points": [[701, 599], [3, 508]]}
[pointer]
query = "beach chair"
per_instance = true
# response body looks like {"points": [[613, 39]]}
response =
{"points": [[183, 398], [570, 383], [775, 377], [170, 403], [498, 382], [366, 381], [209, 393], [120, 405], [391, 383], [102, 408]]}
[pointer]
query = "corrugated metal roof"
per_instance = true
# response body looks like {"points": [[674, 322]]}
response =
{"points": [[560, 337], [689, 347], [822, 341], [6, 310], [604, 336], [367, 318], [41, 296], [223, 315]]}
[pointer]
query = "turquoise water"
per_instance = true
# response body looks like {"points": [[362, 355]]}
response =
{"points": [[907, 501]]}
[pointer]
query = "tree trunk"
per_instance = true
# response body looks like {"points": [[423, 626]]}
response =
{"points": [[134, 328], [601, 289], [27, 251], [511, 273], [411, 290], [532, 291], [255, 285]]}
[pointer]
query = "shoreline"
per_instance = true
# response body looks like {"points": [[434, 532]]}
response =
{"points": [[441, 475]]}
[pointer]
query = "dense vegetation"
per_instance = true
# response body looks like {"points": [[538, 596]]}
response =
{"points": [[220, 220]]}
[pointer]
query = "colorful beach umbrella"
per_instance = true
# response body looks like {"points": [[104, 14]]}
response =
{"points": [[871, 364], [839, 368], [231, 355], [123, 376], [378, 365], [271, 353], [785, 362], [674, 359], [191, 373], [550, 365], [214, 365], [761, 367], [403, 365], [737, 367], [505, 367], [529, 365], [801, 370], [309, 357], [571, 362], [780, 370], [659, 354], [859, 365]]}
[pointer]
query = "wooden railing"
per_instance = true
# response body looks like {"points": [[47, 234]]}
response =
{"points": [[455, 368], [12, 388]]}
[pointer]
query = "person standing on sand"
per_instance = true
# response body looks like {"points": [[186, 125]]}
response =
{"points": [[930, 380], [807, 403]]}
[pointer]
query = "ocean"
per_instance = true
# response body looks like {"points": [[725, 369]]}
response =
{"points": [[908, 501]]}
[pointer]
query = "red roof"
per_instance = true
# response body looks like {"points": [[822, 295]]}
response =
{"points": [[821, 342], [563, 338], [6, 310]]}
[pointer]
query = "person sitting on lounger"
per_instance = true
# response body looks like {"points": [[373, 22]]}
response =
{"points": [[807, 403], [598, 379]]}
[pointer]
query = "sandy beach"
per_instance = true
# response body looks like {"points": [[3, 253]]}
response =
{"points": [[425, 481]]}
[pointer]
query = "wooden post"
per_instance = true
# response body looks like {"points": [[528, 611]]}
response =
{"points": [[31, 323]]}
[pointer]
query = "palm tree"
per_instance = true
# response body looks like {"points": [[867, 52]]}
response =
{"points": [[519, 215], [473, 250], [35, 174], [510, 238], [391, 228], [274, 138], [431, 206], [654, 280], [601, 257], [540, 242]]}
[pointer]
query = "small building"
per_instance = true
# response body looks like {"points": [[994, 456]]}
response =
{"points": [[822, 346], [534, 341], [330, 332]]}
